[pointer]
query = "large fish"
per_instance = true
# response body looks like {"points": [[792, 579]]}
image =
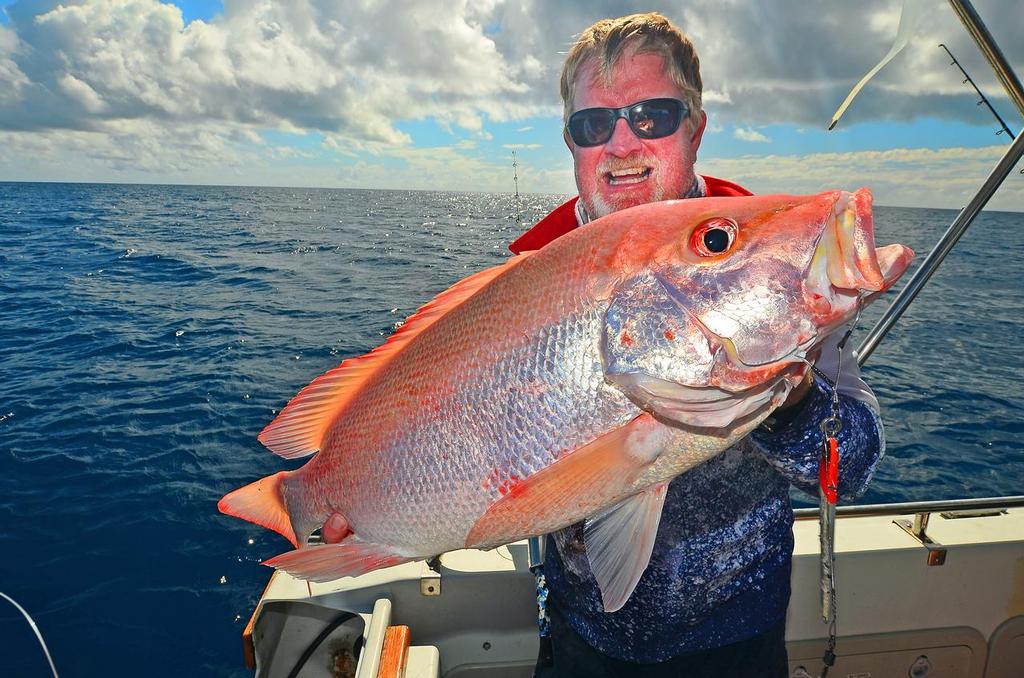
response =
{"points": [[569, 383]]}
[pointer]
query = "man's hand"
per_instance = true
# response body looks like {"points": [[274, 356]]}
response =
{"points": [[799, 392]]}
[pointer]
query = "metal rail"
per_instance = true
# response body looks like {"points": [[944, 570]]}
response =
{"points": [[941, 249], [908, 508], [988, 47]]}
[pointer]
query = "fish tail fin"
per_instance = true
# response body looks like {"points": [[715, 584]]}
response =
{"points": [[270, 502]]}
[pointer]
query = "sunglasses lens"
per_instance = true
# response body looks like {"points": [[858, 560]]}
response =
{"points": [[591, 127], [650, 119], [656, 118]]}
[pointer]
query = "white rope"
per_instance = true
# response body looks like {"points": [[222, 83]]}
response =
{"points": [[910, 18], [35, 629]]}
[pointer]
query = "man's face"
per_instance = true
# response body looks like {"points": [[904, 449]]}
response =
{"points": [[628, 170]]}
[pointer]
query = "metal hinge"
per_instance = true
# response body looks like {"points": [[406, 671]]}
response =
{"points": [[916, 529], [430, 577]]}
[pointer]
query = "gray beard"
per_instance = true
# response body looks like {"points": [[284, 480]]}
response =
{"points": [[698, 189]]}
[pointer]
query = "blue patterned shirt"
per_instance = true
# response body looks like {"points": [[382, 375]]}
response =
{"points": [[720, 569]]}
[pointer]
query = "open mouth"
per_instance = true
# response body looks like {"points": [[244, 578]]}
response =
{"points": [[625, 177], [699, 406], [847, 257]]}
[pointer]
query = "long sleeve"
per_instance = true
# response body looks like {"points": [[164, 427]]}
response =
{"points": [[794, 448], [720, 565]]}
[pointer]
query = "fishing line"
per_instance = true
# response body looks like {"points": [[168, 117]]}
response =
{"points": [[828, 496], [35, 629]]}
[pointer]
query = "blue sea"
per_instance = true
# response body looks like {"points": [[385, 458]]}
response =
{"points": [[148, 333]]}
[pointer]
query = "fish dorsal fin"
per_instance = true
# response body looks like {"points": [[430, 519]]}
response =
{"points": [[620, 541], [299, 429]]}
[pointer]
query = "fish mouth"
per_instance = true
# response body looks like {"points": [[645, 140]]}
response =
{"points": [[846, 268], [705, 407]]}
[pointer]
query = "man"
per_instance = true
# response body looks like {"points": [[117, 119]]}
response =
{"points": [[713, 599]]}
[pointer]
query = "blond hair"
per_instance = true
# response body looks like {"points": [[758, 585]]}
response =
{"points": [[649, 33]]}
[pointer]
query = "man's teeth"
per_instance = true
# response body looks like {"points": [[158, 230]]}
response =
{"points": [[633, 175]]}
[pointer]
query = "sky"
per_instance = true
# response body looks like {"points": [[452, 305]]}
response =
{"points": [[436, 94]]}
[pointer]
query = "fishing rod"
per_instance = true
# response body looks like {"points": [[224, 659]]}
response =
{"points": [[976, 27], [986, 43], [984, 99]]}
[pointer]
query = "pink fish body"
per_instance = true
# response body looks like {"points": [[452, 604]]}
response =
{"points": [[570, 383]]}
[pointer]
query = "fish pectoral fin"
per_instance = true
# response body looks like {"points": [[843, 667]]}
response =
{"points": [[578, 484], [325, 562], [620, 541]]}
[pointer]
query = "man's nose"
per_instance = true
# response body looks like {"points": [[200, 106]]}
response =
{"points": [[623, 141]]}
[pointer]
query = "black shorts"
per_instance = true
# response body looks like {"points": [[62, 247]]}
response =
{"points": [[763, 656]]}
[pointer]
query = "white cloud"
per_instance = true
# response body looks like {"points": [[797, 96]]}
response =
{"points": [[352, 69], [712, 96], [140, 151], [785, 61], [116, 87], [946, 178], [357, 68], [81, 93], [750, 134], [426, 168], [518, 146]]}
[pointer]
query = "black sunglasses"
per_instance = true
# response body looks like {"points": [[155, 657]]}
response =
{"points": [[649, 119]]}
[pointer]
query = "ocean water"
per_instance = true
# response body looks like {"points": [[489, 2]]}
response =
{"points": [[148, 333]]}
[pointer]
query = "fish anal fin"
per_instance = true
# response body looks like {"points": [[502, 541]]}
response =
{"points": [[577, 485], [262, 503], [620, 541], [350, 558], [299, 430]]}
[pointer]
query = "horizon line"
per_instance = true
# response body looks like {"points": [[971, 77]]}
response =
{"points": [[400, 190]]}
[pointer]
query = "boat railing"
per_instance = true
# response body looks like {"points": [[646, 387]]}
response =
{"points": [[952, 506], [922, 511]]}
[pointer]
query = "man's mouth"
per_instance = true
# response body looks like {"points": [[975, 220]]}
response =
{"points": [[624, 177]]}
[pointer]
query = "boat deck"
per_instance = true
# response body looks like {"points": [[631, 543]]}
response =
{"points": [[953, 607]]}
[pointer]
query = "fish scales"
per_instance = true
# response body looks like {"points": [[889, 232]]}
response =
{"points": [[495, 421]]}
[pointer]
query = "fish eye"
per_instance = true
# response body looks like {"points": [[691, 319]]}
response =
{"points": [[714, 237]]}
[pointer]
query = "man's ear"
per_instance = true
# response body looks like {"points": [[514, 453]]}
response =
{"points": [[698, 133], [567, 139]]}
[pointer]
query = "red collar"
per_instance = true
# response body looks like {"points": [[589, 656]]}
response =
{"points": [[563, 218]]}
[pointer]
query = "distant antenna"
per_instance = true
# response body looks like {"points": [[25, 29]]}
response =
{"points": [[515, 177], [515, 173], [984, 100]]}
